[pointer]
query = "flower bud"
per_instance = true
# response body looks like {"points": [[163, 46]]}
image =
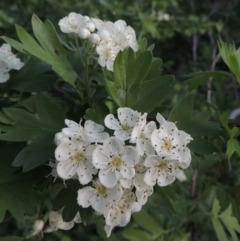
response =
{"points": [[90, 26], [104, 35], [83, 33], [94, 38]]}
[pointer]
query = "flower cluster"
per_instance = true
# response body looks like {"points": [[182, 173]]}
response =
{"points": [[8, 61], [121, 170], [108, 37]]}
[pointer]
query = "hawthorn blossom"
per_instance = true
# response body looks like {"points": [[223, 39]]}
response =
{"points": [[75, 157], [8, 61], [115, 161], [73, 23], [170, 142], [141, 135], [37, 228], [127, 120], [90, 132], [143, 191], [60, 137], [161, 170], [119, 214], [56, 221], [107, 53], [99, 196]]}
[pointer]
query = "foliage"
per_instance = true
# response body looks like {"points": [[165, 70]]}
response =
{"points": [[61, 80]]}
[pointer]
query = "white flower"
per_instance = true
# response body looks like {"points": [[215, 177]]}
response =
{"points": [[8, 61], [60, 137], [84, 33], [56, 221], [170, 142], [107, 54], [90, 26], [75, 157], [163, 170], [181, 176], [142, 189], [94, 38], [127, 120], [73, 23], [119, 214], [142, 195], [115, 161], [36, 228], [99, 197], [141, 135], [90, 132]]}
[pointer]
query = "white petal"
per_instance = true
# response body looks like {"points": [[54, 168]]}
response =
{"points": [[113, 146], [108, 230], [127, 172], [165, 179], [135, 207], [77, 218], [152, 161], [84, 196], [66, 170], [65, 226], [114, 194], [107, 177], [125, 217], [85, 173], [111, 122], [160, 119], [121, 134], [71, 124], [126, 183], [150, 176], [4, 77], [63, 151], [130, 155], [99, 159], [149, 128]]}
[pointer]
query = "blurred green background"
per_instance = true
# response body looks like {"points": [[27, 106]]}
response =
{"points": [[185, 34]]}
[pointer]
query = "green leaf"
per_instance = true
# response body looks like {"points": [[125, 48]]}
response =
{"points": [[16, 193], [231, 57], [32, 77], [15, 44], [232, 146], [27, 126], [196, 126], [201, 78], [183, 110], [166, 198], [30, 44], [221, 235], [202, 147], [147, 222], [28, 158], [136, 235], [227, 219], [87, 215], [134, 85], [12, 238], [97, 113], [67, 199], [230, 222], [50, 51]]}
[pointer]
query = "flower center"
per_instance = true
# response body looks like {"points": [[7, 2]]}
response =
{"points": [[107, 54], [101, 190], [162, 165], [79, 156], [126, 128], [142, 135], [116, 161], [167, 144]]}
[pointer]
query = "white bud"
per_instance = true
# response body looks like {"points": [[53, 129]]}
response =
{"points": [[104, 35], [38, 225], [83, 33], [86, 18], [94, 38], [90, 26]]}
